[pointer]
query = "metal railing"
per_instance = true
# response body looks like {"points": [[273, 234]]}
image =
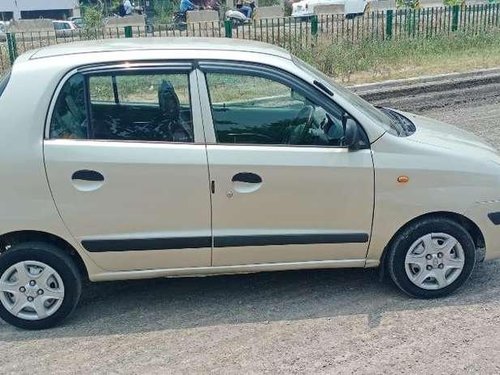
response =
{"points": [[288, 32]]}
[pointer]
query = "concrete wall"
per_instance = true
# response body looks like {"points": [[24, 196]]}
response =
{"points": [[202, 16], [329, 9], [382, 5], [269, 12], [17, 6], [136, 20]]}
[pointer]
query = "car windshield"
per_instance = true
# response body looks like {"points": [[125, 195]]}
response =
{"points": [[4, 79], [376, 115]]}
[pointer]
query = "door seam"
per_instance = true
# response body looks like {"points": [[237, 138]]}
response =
{"points": [[209, 182]]}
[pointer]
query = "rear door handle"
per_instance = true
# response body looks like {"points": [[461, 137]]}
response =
{"points": [[87, 175], [248, 177]]}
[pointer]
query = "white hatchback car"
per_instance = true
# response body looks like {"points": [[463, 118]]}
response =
{"points": [[128, 159], [64, 28]]}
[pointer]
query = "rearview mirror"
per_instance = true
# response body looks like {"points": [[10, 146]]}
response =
{"points": [[351, 133]]}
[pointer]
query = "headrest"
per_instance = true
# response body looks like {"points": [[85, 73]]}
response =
{"points": [[168, 100]]}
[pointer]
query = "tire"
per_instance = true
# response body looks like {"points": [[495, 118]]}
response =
{"points": [[410, 254], [64, 282]]}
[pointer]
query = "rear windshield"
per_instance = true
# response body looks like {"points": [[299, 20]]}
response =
{"points": [[4, 79]]}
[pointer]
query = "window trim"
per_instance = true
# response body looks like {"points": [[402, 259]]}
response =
{"points": [[278, 75], [4, 82], [178, 66]]}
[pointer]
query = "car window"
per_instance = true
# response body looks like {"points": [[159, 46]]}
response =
{"points": [[141, 107], [69, 118], [4, 79], [361, 105], [127, 107], [248, 109]]}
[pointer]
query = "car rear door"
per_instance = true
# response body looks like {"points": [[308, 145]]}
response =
{"points": [[282, 191], [126, 162]]}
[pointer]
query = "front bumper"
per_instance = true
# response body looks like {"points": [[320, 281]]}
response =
{"points": [[486, 215]]}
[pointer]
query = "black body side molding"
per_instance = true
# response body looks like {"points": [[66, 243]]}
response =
{"points": [[175, 243]]}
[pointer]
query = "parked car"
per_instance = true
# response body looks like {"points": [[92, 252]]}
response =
{"points": [[185, 157], [64, 28], [305, 8], [78, 21]]}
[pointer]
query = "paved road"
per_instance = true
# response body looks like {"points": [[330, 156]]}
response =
{"points": [[341, 321]]}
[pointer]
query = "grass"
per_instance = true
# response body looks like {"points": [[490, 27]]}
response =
{"points": [[372, 61], [4, 57]]}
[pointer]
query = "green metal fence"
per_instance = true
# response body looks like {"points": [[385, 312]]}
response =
{"points": [[290, 32]]}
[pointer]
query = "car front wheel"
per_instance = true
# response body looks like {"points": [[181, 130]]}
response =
{"points": [[431, 258], [39, 285]]}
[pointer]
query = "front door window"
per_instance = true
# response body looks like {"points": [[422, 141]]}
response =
{"points": [[253, 110]]}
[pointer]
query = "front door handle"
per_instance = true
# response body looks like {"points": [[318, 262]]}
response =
{"points": [[87, 175], [248, 177]]}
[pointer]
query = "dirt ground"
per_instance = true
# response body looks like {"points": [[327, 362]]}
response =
{"points": [[321, 322]]}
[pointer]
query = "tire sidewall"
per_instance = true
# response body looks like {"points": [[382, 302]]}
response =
{"points": [[405, 240], [61, 264]]}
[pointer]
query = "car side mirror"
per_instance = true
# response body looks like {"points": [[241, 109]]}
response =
{"points": [[351, 133]]}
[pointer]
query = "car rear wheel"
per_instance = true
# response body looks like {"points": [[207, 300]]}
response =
{"points": [[431, 258], [39, 285]]}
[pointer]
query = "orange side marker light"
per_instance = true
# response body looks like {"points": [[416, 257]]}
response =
{"points": [[403, 179]]}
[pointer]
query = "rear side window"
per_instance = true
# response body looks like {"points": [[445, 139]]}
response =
{"points": [[124, 106], [3, 82]]}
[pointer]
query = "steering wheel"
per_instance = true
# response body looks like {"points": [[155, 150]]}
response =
{"points": [[300, 131]]}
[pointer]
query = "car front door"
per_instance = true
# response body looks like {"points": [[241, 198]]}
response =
{"points": [[126, 163], [284, 188]]}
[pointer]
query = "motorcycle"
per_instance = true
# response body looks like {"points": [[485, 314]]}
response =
{"points": [[179, 21], [237, 17]]}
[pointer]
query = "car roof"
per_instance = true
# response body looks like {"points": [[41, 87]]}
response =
{"points": [[176, 43]]}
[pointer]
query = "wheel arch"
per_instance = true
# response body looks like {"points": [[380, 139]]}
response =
{"points": [[470, 226], [11, 238]]}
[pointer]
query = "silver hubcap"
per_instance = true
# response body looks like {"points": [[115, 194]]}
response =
{"points": [[434, 261], [31, 290]]}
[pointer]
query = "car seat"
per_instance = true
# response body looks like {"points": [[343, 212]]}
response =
{"points": [[170, 120]]}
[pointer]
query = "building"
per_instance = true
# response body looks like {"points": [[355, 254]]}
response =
{"points": [[31, 9]]}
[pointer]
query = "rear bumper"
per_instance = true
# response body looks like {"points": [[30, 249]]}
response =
{"points": [[487, 216]]}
